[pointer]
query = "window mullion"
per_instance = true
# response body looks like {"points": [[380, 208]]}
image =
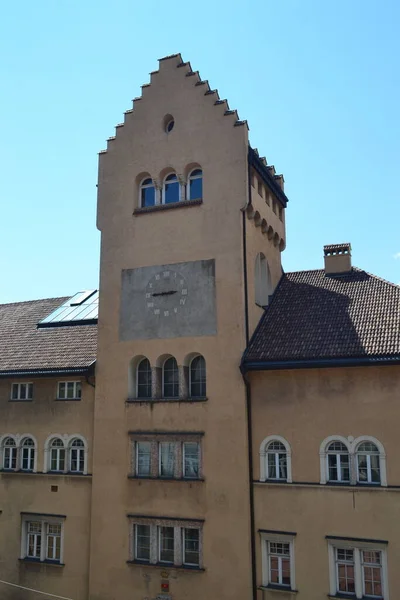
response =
{"points": [[369, 471], [43, 541], [280, 574], [277, 465]]}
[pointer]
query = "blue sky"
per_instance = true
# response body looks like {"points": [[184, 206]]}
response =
{"points": [[317, 81]]}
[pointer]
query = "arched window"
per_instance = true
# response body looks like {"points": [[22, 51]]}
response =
{"points": [[170, 379], [338, 462], [368, 463], [195, 185], [171, 189], [9, 454], [143, 379], [77, 456], [57, 455], [28, 454], [147, 193], [197, 377], [262, 280], [275, 459]]}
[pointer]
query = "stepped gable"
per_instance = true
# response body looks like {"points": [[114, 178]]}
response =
{"points": [[312, 316], [25, 349], [176, 60]]}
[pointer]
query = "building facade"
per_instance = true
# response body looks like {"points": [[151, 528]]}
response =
{"points": [[232, 431]]}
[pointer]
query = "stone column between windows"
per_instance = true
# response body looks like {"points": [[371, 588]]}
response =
{"points": [[178, 551], [154, 459], [183, 382], [156, 378], [178, 471], [153, 544]]}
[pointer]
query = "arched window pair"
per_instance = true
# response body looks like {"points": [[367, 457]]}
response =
{"points": [[172, 190], [275, 460], [361, 461], [170, 378], [262, 280], [66, 457], [18, 457]]}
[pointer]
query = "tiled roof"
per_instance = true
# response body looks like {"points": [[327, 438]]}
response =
{"points": [[313, 317], [24, 348]]}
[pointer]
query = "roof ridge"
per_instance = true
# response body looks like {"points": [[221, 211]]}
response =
{"points": [[382, 279]]}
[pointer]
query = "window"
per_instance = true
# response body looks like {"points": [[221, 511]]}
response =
{"points": [[167, 459], [197, 378], [57, 455], [259, 188], [170, 378], [158, 456], [143, 379], [262, 280], [42, 539], [143, 457], [69, 390], [22, 391], [77, 456], [353, 461], [147, 193], [278, 559], [164, 542], [28, 454], [275, 460], [368, 469], [357, 568], [191, 460], [9, 454], [338, 463], [195, 185], [171, 189]]}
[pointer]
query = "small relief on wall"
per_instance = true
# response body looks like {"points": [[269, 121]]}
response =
{"points": [[167, 301]]}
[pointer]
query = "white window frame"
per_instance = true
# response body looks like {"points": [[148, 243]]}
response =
{"points": [[190, 375], [67, 441], [31, 448], [155, 525], [190, 178], [3, 453], [142, 186], [136, 450], [155, 442], [180, 192], [184, 458], [45, 522], [352, 445], [264, 459], [19, 384], [75, 397], [280, 538], [357, 546]]}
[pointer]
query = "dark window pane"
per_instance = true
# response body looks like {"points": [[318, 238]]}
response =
{"points": [[170, 379], [167, 544], [144, 379], [198, 377], [148, 196], [196, 188], [171, 189]]}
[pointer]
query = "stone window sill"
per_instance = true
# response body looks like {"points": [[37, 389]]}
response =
{"points": [[35, 561], [165, 566], [175, 479], [164, 400], [52, 473], [67, 399], [160, 207], [21, 400], [279, 589]]}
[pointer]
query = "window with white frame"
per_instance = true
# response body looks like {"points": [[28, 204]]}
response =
{"points": [[353, 461], [42, 538], [167, 542], [69, 390], [197, 378], [275, 460], [278, 559], [147, 193], [166, 456], [358, 568], [171, 192], [170, 378], [18, 453], [143, 379], [195, 185], [21, 391], [10, 453], [27, 454], [66, 455]]}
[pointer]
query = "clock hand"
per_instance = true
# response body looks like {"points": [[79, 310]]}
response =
{"points": [[165, 293]]}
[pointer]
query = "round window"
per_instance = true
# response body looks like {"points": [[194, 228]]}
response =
{"points": [[168, 123]]}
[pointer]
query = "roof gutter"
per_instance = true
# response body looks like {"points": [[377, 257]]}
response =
{"points": [[319, 363], [255, 161], [46, 372]]}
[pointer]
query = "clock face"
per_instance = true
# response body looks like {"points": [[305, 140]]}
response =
{"points": [[166, 293]]}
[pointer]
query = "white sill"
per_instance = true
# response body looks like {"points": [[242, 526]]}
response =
{"points": [[281, 590]]}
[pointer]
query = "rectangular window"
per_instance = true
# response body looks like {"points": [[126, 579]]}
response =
{"points": [[191, 547], [278, 560], [358, 569], [166, 544], [142, 542], [42, 539], [167, 459], [143, 458], [191, 460], [22, 391], [69, 390]]}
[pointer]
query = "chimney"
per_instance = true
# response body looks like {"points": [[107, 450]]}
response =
{"points": [[337, 259]]}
